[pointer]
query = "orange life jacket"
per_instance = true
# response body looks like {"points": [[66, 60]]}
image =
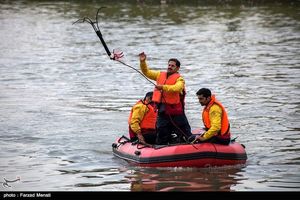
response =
{"points": [[168, 97], [149, 119], [225, 126]]}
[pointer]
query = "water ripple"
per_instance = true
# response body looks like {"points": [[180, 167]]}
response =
{"points": [[63, 102]]}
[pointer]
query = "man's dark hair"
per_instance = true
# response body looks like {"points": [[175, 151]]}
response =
{"points": [[176, 61], [149, 94], [204, 92]]}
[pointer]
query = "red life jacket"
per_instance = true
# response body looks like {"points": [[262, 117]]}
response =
{"points": [[173, 100], [225, 126], [148, 122]]}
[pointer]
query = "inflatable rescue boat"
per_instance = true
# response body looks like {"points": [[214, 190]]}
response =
{"points": [[179, 155]]}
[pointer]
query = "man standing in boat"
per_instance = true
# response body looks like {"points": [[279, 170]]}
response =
{"points": [[169, 94], [142, 120], [214, 118]]}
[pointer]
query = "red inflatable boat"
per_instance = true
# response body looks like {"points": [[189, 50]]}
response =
{"points": [[180, 155]]}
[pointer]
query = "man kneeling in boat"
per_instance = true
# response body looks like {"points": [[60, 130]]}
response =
{"points": [[214, 118], [142, 120]]}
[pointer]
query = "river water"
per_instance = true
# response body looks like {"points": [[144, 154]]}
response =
{"points": [[63, 102]]}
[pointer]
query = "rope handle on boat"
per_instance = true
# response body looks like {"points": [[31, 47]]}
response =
{"points": [[133, 143], [114, 145], [123, 137]]}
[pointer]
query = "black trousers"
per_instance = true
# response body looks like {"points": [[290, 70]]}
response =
{"points": [[166, 125]]}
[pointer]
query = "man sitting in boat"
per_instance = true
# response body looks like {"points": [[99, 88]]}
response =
{"points": [[214, 118], [142, 121]]}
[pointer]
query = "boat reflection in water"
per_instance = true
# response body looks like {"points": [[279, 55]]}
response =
{"points": [[185, 179]]}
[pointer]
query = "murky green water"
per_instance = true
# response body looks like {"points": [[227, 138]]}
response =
{"points": [[63, 102]]}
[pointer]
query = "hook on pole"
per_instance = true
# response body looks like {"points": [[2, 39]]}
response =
{"points": [[116, 54]]}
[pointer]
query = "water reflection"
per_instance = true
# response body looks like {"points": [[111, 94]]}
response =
{"points": [[96, 179], [185, 179], [62, 102]]}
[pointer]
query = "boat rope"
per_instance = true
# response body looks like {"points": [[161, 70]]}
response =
{"points": [[123, 142], [182, 133], [116, 56], [233, 140], [123, 137]]}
